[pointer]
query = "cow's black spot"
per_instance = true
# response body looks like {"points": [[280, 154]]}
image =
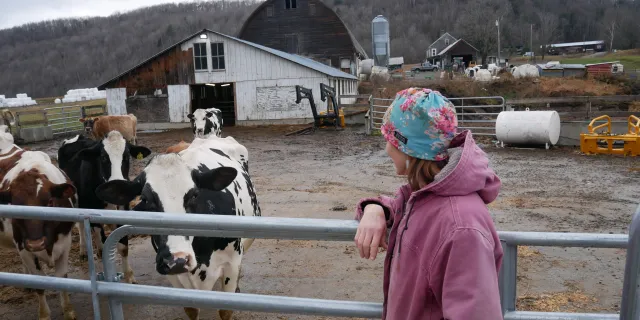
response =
{"points": [[252, 194], [236, 246], [186, 238], [226, 281], [203, 275], [220, 153], [207, 126]]}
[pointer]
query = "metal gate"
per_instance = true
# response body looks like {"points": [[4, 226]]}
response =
{"points": [[477, 114], [108, 285], [65, 120]]}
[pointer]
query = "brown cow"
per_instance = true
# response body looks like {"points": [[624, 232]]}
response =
{"points": [[178, 147], [32, 180], [99, 127]]}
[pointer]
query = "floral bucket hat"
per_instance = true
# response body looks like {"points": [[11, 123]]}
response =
{"points": [[421, 123]]}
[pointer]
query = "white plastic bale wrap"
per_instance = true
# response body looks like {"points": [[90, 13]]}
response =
{"points": [[528, 127], [366, 66]]}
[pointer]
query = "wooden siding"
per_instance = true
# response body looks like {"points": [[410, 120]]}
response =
{"points": [[171, 68], [321, 36], [246, 63], [440, 44]]}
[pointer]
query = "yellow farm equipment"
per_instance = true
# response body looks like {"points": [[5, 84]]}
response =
{"points": [[631, 140]]}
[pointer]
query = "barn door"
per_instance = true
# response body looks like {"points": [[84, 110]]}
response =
{"points": [[179, 102]]}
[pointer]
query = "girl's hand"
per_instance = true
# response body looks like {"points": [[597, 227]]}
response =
{"points": [[371, 232]]}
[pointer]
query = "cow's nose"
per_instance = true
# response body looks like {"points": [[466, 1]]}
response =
{"points": [[200, 130], [177, 263], [35, 245]]}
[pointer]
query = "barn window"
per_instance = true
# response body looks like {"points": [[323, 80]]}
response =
{"points": [[269, 11], [200, 56], [446, 42], [312, 9], [433, 52], [217, 56], [291, 43], [290, 4]]}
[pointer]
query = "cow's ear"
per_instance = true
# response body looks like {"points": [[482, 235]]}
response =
{"points": [[139, 152], [82, 120], [190, 116], [5, 197], [119, 192], [63, 191], [215, 179], [209, 114]]}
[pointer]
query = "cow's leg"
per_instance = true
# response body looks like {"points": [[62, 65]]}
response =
{"points": [[82, 246], [123, 250], [99, 238], [62, 267], [192, 313], [230, 284], [32, 265]]}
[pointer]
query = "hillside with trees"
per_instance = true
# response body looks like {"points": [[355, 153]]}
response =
{"points": [[50, 57]]}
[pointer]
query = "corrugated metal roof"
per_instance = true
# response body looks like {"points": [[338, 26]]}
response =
{"points": [[571, 44], [599, 63], [306, 62], [561, 66]]}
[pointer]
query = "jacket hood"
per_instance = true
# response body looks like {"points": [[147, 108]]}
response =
{"points": [[466, 172]]}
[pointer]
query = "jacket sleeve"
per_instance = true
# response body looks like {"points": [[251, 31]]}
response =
{"points": [[467, 277], [389, 204]]}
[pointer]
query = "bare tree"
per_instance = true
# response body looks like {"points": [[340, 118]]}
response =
{"points": [[610, 25], [547, 30]]}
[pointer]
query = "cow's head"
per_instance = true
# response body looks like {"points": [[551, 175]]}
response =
{"points": [[32, 188], [205, 123], [6, 139], [111, 156], [167, 184], [88, 124]]}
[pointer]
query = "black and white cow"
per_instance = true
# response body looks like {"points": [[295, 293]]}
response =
{"points": [[91, 163], [206, 123], [209, 177], [29, 178]]}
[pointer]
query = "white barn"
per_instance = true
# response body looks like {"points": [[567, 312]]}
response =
{"points": [[250, 83]]}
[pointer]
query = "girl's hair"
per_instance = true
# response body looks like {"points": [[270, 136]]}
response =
{"points": [[422, 172]]}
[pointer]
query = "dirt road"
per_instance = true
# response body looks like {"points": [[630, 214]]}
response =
{"points": [[318, 176]]}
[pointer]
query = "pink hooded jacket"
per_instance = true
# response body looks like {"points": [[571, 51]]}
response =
{"points": [[444, 253]]}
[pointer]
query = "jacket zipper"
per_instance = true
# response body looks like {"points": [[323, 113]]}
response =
{"points": [[406, 224]]}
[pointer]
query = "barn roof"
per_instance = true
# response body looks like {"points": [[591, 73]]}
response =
{"points": [[572, 44], [451, 46], [306, 62], [355, 42]]}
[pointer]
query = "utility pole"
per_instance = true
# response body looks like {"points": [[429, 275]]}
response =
{"points": [[498, 25], [532, 52]]}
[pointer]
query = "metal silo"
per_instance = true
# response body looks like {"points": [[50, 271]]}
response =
{"points": [[381, 41]]}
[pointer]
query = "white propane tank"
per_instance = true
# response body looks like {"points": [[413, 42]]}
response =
{"points": [[528, 127]]}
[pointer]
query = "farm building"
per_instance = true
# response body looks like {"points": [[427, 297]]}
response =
{"points": [[305, 27], [576, 47], [437, 46], [250, 83], [457, 49], [600, 68], [562, 70]]}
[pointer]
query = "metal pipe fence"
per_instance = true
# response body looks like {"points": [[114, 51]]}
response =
{"points": [[290, 228], [472, 113]]}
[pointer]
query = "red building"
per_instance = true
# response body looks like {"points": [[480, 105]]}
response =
{"points": [[600, 68]]}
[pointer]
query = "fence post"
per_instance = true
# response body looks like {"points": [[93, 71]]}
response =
{"points": [[630, 307], [109, 266], [507, 279], [92, 268], [370, 114]]}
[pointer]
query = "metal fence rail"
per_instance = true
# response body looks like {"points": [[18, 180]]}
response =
{"points": [[64, 120], [290, 228], [477, 114]]}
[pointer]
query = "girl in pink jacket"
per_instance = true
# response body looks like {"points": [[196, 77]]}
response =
{"points": [[443, 252]]}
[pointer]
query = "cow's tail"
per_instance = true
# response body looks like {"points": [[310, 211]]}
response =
{"points": [[246, 244]]}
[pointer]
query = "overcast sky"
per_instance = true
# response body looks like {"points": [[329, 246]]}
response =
{"points": [[17, 12]]}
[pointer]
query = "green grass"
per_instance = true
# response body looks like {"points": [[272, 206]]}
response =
{"points": [[630, 62]]}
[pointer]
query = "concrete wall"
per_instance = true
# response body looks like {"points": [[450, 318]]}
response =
{"points": [[149, 108], [570, 131]]}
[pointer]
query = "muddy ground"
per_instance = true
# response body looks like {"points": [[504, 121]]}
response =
{"points": [[317, 176]]}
